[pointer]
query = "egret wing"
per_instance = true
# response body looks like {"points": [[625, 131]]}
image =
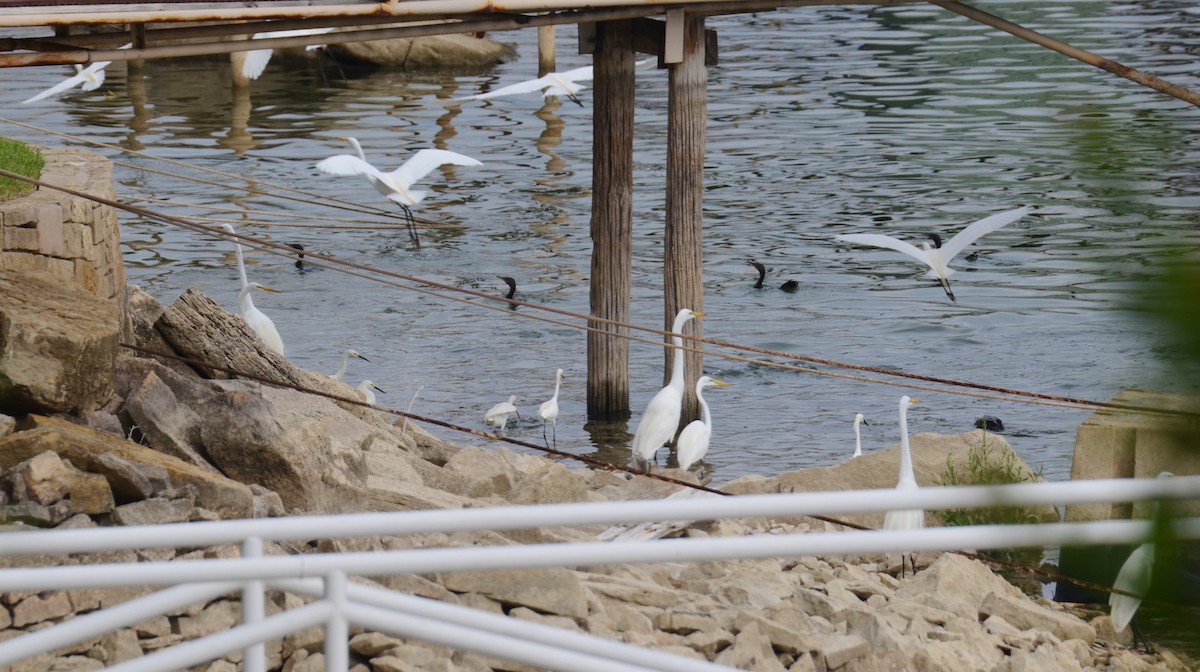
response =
{"points": [[658, 423], [880, 240], [425, 161], [256, 61], [67, 83], [587, 72], [692, 444], [93, 76], [527, 86], [979, 229], [345, 164], [1134, 577]]}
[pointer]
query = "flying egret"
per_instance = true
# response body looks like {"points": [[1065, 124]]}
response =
{"points": [[1134, 577], [497, 416], [661, 418], [548, 411], [911, 519], [396, 185], [858, 418], [364, 390], [938, 257], [258, 321], [346, 355], [552, 84], [787, 286], [87, 79], [257, 59], [692, 445]]}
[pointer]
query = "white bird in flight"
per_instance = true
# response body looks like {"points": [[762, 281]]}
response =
{"points": [[257, 59], [397, 184], [497, 416], [938, 257], [87, 79], [661, 418], [692, 445], [551, 85]]}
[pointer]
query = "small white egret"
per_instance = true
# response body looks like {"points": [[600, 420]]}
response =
{"points": [[87, 79], [346, 355], [911, 519], [258, 321], [257, 59], [397, 184], [364, 390], [661, 418], [692, 445], [497, 416], [1134, 577], [938, 257], [552, 85], [548, 411], [858, 418]]}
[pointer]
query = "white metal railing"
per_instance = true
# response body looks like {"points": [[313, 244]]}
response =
{"points": [[340, 603]]}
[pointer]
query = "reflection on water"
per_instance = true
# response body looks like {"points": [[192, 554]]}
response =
{"points": [[902, 120]]}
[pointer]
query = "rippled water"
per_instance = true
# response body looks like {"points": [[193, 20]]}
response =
{"points": [[822, 121]]}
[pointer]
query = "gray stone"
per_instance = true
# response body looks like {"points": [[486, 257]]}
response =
{"points": [[90, 494], [132, 481], [41, 607], [957, 584], [552, 484], [751, 650], [552, 590], [216, 617], [153, 512], [8, 424], [372, 644], [43, 479], [58, 346], [120, 646], [1023, 613], [436, 52], [167, 413]]}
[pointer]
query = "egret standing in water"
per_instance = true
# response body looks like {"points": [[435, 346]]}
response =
{"points": [[548, 411], [258, 321], [1134, 577], [661, 418], [911, 519], [858, 418], [938, 257], [346, 355], [364, 390], [396, 185], [497, 416], [692, 445]]}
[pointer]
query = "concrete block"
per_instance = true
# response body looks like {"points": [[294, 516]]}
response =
{"points": [[86, 275], [81, 211], [78, 240], [52, 236], [18, 238], [19, 214], [23, 262]]}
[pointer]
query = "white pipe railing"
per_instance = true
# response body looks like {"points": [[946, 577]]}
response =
{"points": [[594, 513], [342, 603]]}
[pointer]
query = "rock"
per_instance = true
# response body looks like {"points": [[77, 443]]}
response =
{"points": [[781, 637], [83, 447], [216, 617], [553, 484], [8, 424], [166, 413], [1044, 659], [76, 664], [552, 590], [485, 473], [372, 644], [58, 346], [1023, 613], [838, 650], [751, 650], [132, 481], [44, 479], [434, 52], [119, 646], [41, 607], [90, 494], [144, 311], [389, 495], [153, 512], [956, 584]]}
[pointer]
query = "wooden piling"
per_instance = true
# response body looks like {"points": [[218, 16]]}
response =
{"points": [[547, 53], [612, 221], [683, 280]]}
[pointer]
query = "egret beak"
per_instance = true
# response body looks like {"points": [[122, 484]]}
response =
{"points": [[913, 402], [864, 420], [361, 357], [719, 382], [378, 389], [269, 289]]}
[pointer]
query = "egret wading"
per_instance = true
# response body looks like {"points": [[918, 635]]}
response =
{"points": [[346, 355], [661, 418], [548, 411], [910, 519], [497, 416], [939, 256], [258, 321], [692, 445], [858, 418], [397, 184]]}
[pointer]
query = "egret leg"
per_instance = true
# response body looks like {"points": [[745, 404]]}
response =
{"points": [[574, 99], [1139, 637], [335, 62], [554, 432], [412, 225], [946, 286], [544, 439]]}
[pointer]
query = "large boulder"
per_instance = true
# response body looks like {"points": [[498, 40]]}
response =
{"points": [[433, 52], [58, 344]]}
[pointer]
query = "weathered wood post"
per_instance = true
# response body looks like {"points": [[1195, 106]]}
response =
{"points": [[612, 221], [687, 107], [547, 54]]}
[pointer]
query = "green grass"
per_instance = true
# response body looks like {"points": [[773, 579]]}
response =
{"points": [[19, 158]]}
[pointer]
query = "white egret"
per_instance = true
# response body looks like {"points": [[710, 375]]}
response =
{"points": [[258, 321], [551, 85], [858, 418], [397, 184], [346, 355], [1134, 577], [548, 411], [911, 519], [257, 59], [497, 416], [87, 79], [661, 418], [692, 445], [938, 257], [364, 390]]}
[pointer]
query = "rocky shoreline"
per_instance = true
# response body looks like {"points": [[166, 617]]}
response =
{"points": [[132, 438]]}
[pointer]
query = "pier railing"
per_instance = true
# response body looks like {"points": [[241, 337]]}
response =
{"points": [[338, 603]]}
